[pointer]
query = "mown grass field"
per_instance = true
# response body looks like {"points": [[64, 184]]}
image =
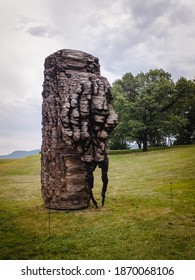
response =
{"points": [[149, 211]]}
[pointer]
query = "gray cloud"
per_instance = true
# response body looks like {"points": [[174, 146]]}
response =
{"points": [[42, 31], [127, 36], [145, 13], [148, 35], [39, 31], [36, 27]]}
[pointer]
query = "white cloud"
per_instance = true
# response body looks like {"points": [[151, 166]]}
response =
{"points": [[127, 36]]}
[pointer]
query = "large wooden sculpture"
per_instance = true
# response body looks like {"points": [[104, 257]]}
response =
{"points": [[77, 117]]}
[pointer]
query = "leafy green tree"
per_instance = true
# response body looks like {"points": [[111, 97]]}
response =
{"points": [[186, 108], [120, 136], [144, 104]]}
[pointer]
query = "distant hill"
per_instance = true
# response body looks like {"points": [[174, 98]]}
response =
{"points": [[20, 154]]}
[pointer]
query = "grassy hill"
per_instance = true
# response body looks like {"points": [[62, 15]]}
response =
{"points": [[149, 211]]}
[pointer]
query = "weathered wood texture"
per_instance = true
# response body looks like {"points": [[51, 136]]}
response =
{"points": [[77, 117]]}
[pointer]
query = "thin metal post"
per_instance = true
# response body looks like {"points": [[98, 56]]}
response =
{"points": [[49, 219], [171, 191]]}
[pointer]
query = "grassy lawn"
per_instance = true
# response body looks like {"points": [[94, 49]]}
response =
{"points": [[149, 211]]}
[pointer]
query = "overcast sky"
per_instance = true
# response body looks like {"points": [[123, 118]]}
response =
{"points": [[126, 36]]}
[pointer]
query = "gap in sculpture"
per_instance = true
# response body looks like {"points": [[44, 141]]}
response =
{"points": [[77, 118]]}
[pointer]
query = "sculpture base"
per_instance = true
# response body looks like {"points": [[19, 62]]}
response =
{"points": [[63, 180], [66, 206]]}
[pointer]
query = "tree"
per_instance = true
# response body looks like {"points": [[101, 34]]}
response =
{"points": [[186, 108], [119, 137], [149, 99]]}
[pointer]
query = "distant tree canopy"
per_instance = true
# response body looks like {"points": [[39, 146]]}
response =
{"points": [[151, 106]]}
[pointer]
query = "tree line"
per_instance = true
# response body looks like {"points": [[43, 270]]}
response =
{"points": [[150, 107]]}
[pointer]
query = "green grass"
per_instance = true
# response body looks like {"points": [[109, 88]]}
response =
{"points": [[149, 211]]}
